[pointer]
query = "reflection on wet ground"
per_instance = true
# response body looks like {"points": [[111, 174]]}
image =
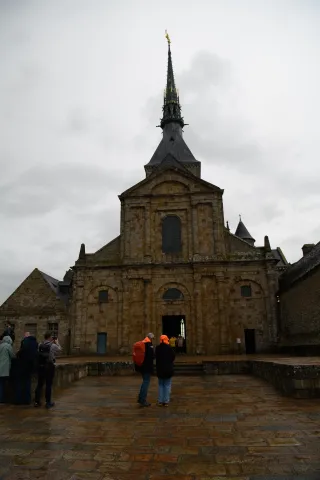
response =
{"points": [[219, 427]]}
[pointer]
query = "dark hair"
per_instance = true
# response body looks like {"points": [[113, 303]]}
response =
{"points": [[47, 335]]}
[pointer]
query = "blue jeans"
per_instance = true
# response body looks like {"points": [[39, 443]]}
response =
{"points": [[164, 390], [144, 387]]}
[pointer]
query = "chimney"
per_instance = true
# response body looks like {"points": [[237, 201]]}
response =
{"points": [[307, 248]]}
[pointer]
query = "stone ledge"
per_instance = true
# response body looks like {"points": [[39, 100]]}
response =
{"points": [[298, 381]]}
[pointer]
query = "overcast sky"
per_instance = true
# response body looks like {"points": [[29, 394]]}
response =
{"points": [[81, 94]]}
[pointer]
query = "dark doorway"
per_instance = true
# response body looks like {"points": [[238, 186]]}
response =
{"points": [[250, 339], [173, 326], [102, 343]]}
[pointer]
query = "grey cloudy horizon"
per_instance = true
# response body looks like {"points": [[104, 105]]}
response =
{"points": [[81, 92]]}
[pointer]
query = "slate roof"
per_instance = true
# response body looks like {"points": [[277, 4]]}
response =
{"points": [[172, 143], [172, 123], [299, 269], [54, 285], [278, 254], [242, 232]]}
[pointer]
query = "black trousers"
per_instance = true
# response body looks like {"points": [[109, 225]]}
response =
{"points": [[45, 376]]}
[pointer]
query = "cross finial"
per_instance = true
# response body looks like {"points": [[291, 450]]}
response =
{"points": [[167, 37]]}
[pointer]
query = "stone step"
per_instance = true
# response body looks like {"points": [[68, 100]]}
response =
{"points": [[188, 369]]}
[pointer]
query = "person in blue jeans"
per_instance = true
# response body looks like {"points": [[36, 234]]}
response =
{"points": [[146, 370], [165, 357]]}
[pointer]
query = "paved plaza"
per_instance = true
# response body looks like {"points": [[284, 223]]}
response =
{"points": [[217, 427]]}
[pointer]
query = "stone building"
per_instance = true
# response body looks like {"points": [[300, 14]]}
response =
{"points": [[39, 304], [175, 267], [299, 304]]}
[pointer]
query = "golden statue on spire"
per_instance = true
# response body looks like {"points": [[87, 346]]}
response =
{"points": [[167, 37]]}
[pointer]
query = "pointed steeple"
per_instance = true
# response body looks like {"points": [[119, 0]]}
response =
{"points": [[243, 233], [171, 104], [172, 124]]}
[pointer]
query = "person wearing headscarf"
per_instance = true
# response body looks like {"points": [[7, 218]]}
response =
{"points": [[165, 357], [6, 355]]}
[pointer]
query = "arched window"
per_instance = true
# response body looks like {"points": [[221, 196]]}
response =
{"points": [[171, 234], [103, 296], [172, 294], [246, 291]]}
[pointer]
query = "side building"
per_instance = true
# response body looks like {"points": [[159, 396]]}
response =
{"points": [[39, 304], [299, 304]]}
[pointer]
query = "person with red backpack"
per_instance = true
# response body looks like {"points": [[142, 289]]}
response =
{"points": [[143, 355]]}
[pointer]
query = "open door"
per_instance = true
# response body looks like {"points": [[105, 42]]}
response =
{"points": [[250, 339]]}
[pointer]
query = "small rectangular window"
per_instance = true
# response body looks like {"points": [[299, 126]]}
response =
{"points": [[31, 328], [54, 329], [103, 296], [246, 291]]}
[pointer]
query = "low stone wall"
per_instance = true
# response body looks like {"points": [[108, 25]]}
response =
{"points": [[298, 381], [69, 373], [227, 367], [110, 368], [65, 374]]}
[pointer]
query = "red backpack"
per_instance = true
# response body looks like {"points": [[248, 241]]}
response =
{"points": [[138, 353]]}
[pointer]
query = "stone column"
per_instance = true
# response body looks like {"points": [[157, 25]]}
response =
{"points": [[195, 242], [125, 317], [147, 252], [119, 317], [223, 314], [198, 318], [271, 305], [148, 323]]}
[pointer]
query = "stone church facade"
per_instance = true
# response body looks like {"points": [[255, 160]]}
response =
{"points": [[175, 267]]}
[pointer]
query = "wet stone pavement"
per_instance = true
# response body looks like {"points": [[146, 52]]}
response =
{"points": [[219, 427]]}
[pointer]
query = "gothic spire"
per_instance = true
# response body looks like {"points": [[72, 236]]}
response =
{"points": [[171, 105]]}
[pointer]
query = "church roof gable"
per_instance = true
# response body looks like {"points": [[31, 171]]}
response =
{"points": [[37, 290], [172, 164]]}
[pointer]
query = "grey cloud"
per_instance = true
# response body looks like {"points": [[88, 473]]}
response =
{"points": [[42, 189], [206, 70]]}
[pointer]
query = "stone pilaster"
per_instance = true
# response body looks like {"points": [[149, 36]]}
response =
{"points": [[198, 318]]}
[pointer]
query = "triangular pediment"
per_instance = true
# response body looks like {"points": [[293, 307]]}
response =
{"points": [[37, 291], [170, 170]]}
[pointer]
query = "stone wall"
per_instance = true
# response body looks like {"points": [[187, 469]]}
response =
{"points": [[298, 381], [209, 271], [65, 374], [216, 314], [300, 311], [27, 322], [35, 304]]}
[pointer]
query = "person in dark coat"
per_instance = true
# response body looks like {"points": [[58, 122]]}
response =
{"points": [[26, 366], [9, 332], [164, 364], [146, 370]]}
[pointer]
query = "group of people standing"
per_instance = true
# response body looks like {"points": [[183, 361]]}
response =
{"points": [[164, 356], [31, 358]]}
